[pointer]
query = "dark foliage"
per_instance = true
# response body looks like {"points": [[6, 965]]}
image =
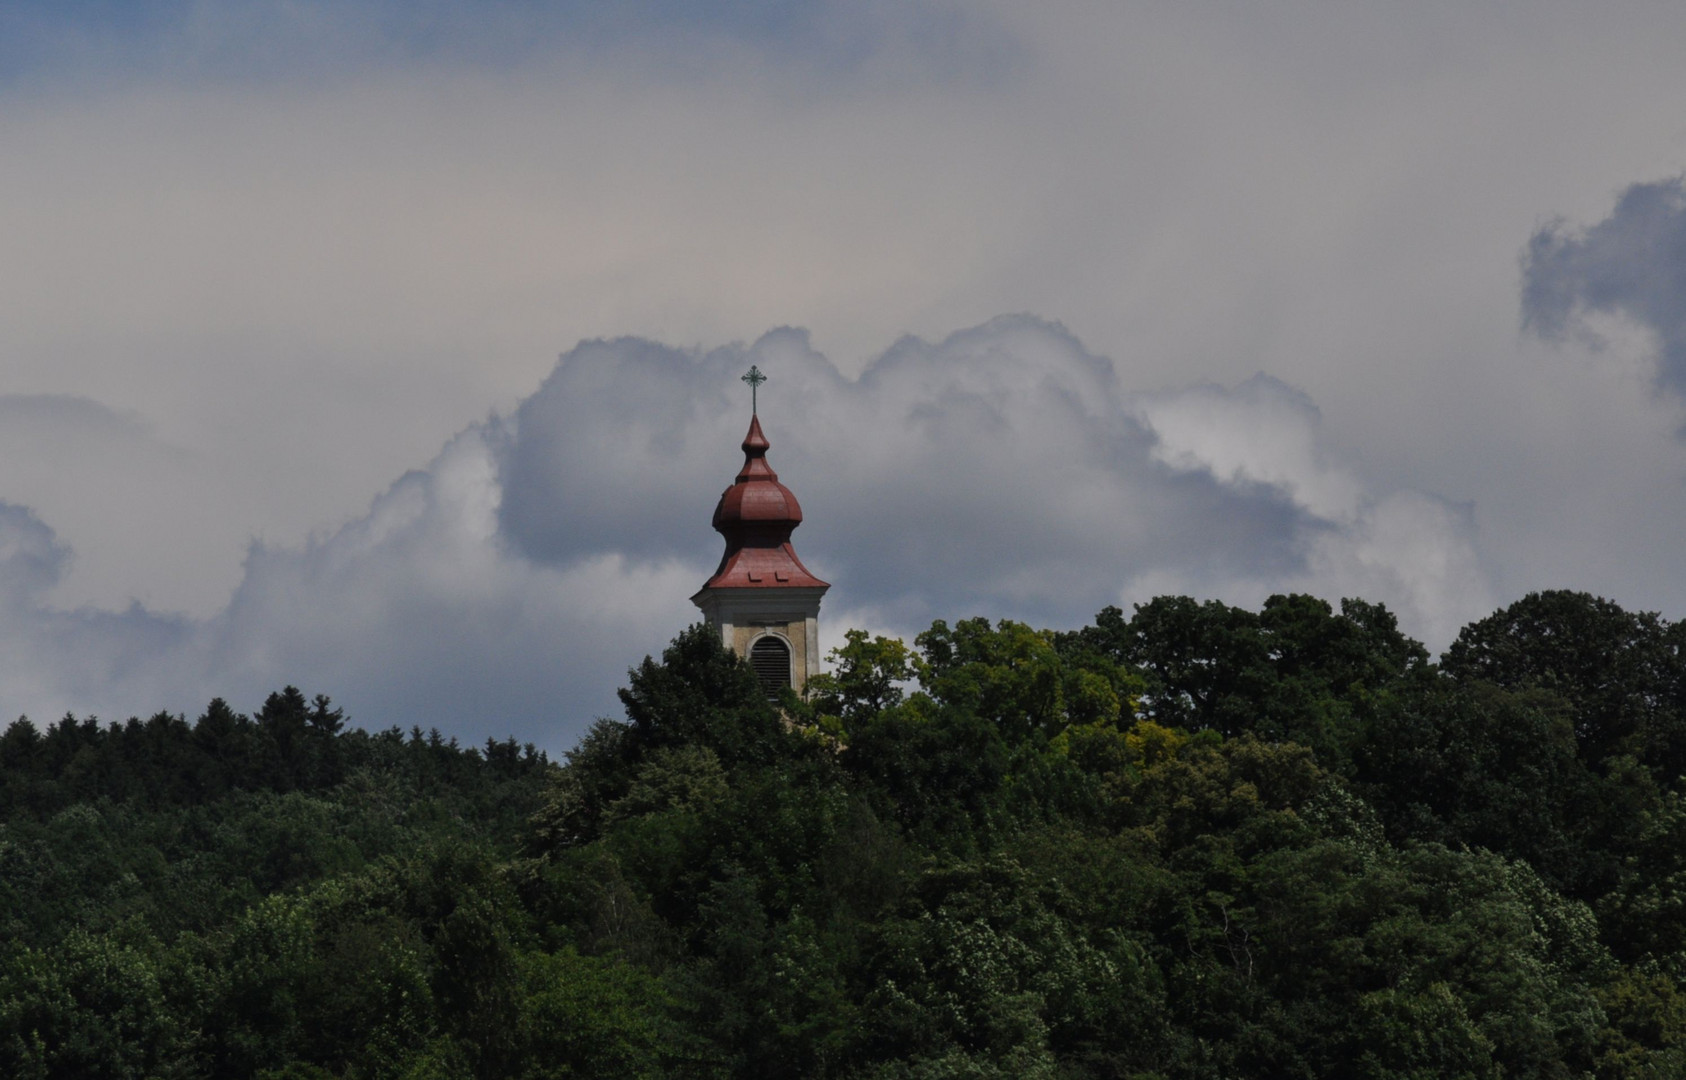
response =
{"points": [[1193, 842]]}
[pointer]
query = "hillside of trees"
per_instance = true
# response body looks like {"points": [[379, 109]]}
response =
{"points": [[1195, 841]]}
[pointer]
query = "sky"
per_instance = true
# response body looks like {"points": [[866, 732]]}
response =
{"points": [[390, 350]]}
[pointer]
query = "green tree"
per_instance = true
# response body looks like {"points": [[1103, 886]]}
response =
{"points": [[1619, 671]]}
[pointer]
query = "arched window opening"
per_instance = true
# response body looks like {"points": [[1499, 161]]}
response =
{"points": [[770, 657]]}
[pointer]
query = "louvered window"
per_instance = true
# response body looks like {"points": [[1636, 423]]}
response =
{"points": [[770, 657]]}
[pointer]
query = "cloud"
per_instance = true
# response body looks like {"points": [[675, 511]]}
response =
{"points": [[57, 660], [1631, 265], [1262, 432], [1413, 550], [1004, 471], [420, 612], [308, 242], [242, 41], [139, 512], [78, 418], [31, 558]]}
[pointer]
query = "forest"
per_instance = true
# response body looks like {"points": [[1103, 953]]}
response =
{"points": [[1189, 841]]}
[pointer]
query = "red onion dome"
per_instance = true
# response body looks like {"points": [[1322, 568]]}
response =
{"points": [[756, 516]]}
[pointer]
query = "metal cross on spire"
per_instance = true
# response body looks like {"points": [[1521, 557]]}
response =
{"points": [[754, 378]]}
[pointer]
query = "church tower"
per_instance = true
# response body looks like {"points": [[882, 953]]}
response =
{"points": [[762, 601]]}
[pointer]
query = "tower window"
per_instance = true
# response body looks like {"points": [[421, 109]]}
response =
{"points": [[770, 657]]}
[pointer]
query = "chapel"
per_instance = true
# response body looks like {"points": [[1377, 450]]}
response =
{"points": [[762, 601]]}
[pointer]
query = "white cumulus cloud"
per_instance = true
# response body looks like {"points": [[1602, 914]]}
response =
{"points": [[507, 585]]}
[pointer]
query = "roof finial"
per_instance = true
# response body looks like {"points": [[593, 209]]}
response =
{"points": [[754, 378]]}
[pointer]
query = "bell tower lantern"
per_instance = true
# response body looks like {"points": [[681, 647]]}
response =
{"points": [[762, 601]]}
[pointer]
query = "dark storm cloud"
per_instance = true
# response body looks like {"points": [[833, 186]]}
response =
{"points": [[1631, 264]]}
